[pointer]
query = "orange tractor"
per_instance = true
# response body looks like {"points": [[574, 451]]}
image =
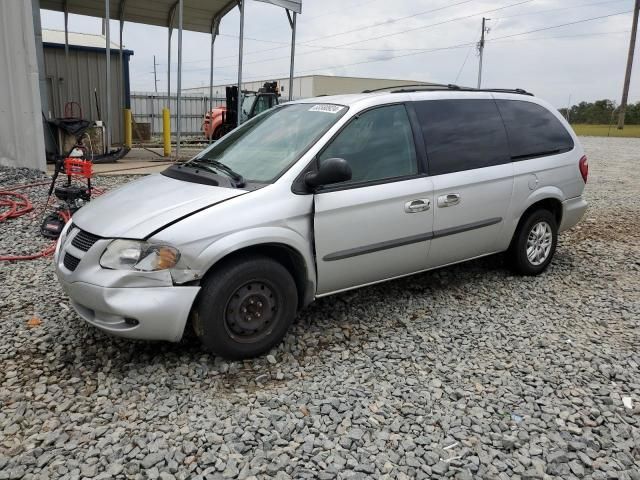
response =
{"points": [[221, 120]]}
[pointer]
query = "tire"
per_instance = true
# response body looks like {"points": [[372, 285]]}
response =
{"points": [[218, 133], [534, 243], [245, 307]]}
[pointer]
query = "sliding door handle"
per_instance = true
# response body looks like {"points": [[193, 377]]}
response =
{"points": [[449, 200]]}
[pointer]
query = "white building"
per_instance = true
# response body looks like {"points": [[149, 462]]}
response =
{"points": [[312, 85]]}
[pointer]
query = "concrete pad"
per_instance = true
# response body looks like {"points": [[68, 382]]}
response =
{"points": [[139, 161]]}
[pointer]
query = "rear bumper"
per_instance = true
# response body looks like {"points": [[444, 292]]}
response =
{"points": [[153, 313], [572, 211]]}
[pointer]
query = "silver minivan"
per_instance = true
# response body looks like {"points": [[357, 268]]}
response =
{"points": [[320, 196]]}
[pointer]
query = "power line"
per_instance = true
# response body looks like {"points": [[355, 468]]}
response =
{"points": [[364, 27], [557, 9], [463, 64], [348, 7], [386, 22], [592, 34], [287, 43], [470, 45], [321, 48], [450, 47], [564, 24]]}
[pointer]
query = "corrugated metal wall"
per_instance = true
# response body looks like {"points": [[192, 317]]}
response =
{"points": [[21, 133], [86, 73], [146, 107]]}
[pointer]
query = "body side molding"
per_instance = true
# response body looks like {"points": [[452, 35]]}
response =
{"points": [[376, 247]]}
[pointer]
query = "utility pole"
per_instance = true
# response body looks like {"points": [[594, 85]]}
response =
{"points": [[627, 77], [155, 75], [481, 49]]}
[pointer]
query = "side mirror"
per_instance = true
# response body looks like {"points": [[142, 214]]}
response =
{"points": [[332, 170]]}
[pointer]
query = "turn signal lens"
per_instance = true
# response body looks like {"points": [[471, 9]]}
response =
{"points": [[158, 257], [167, 257]]}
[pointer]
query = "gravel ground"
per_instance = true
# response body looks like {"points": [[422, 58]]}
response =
{"points": [[467, 372]]}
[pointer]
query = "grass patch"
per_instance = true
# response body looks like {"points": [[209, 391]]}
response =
{"points": [[604, 130]]}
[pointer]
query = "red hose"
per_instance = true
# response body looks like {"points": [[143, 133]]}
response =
{"points": [[28, 185], [44, 253], [17, 204]]}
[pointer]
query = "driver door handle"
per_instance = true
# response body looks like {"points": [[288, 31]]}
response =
{"points": [[418, 205]]}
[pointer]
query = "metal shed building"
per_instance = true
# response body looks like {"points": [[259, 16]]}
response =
{"points": [[84, 77]]}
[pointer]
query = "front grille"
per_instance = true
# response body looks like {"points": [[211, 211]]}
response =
{"points": [[84, 240], [71, 262]]}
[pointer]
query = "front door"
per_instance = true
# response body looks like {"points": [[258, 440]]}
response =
{"points": [[472, 175], [377, 225]]}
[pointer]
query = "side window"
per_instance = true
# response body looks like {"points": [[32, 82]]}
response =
{"points": [[533, 130], [378, 144], [462, 134]]}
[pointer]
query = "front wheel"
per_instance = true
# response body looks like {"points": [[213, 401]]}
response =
{"points": [[534, 243], [245, 307]]}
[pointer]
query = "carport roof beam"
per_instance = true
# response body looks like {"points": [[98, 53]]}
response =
{"points": [[197, 14]]}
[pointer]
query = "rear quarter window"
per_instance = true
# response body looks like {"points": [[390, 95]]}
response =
{"points": [[462, 134], [532, 130]]}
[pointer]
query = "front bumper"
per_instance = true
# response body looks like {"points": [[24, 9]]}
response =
{"points": [[141, 305], [572, 212], [154, 313]]}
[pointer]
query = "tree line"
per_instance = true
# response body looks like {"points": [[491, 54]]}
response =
{"points": [[601, 112]]}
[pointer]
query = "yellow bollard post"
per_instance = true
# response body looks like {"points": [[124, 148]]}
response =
{"points": [[166, 132], [127, 128]]}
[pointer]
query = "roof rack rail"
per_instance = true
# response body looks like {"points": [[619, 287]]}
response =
{"points": [[442, 87], [435, 86]]}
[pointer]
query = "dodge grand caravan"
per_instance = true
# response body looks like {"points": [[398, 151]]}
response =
{"points": [[320, 196]]}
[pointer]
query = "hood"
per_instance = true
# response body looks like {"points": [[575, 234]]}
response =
{"points": [[143, 206]]}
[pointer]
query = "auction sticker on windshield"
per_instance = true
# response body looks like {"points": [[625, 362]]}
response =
{"points": [[325, 107]]}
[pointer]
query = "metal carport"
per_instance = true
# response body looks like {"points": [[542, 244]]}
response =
{"points": [[194, 15]]}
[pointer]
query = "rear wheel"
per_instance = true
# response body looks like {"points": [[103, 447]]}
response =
{"points": [[245, 307], [534, 243]]}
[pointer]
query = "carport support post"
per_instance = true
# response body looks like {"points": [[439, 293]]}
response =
{"points": [[107, 111], [67, 78], [166, 112], [292, 22], [126, 112], [241, 2], [179, 88], [214, 33]]}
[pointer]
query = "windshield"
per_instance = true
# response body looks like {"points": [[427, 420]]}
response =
{"points": [[264, 147]]}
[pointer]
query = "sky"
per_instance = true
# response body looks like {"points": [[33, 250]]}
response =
{"points": [[432, 41]]}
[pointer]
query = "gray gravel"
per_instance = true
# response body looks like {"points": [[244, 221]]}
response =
{"points": [[468, 372]]}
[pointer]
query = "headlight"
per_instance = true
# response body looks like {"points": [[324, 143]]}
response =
{"points": [[137, 255]]}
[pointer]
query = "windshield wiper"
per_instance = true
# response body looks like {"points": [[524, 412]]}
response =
{"points": [[216, 166]]}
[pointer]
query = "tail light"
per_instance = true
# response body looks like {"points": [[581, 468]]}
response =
{"points": [[584, 168]]}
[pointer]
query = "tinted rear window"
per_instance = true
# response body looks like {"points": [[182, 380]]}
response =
{"points": [[533, 130], [462, 134]]}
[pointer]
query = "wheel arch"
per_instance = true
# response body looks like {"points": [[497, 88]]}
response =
{"points": [[552, 203], [287, 250]]}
